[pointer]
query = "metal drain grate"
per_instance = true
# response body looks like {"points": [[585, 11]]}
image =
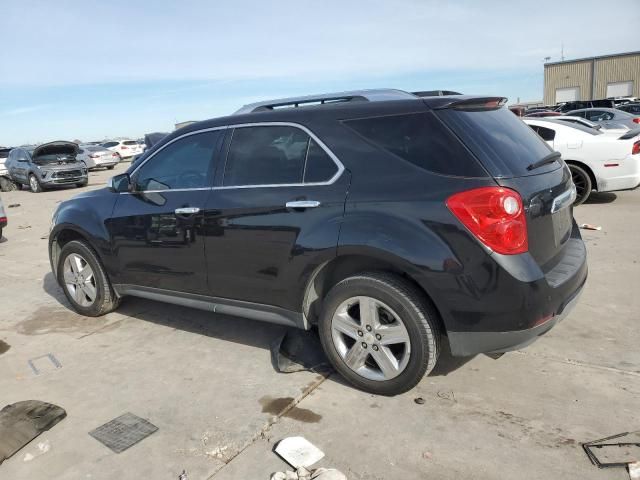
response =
{"points": [[123, 432]]}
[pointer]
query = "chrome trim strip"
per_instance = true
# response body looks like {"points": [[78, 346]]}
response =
{"points": [[564, 200], [333, 157]]}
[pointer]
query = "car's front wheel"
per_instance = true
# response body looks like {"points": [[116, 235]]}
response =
{"points": [[84, 280], [34, 184], [380, 332], [582, 181]]}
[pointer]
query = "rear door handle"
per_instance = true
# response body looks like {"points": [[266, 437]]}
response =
{"points": [[186, 210], [303, 204]]}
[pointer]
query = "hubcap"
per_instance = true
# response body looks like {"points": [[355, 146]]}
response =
{"points": [[79, 280], [371, 338], [34, 183]]}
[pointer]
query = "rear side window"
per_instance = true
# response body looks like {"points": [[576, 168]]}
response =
{"points": [[598, 115], [505, 145], [276, 155], [421, 139], [545, 133]]}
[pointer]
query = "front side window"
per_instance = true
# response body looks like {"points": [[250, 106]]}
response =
{"points": [[275, 155], [185, 163]]}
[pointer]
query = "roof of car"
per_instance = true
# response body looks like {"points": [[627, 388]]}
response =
{"points": [[600, 109]]}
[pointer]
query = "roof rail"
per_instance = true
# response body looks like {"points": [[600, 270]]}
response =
{"points": [[374, 95]]}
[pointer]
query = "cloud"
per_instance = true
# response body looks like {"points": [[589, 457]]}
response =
{"points": [[24, 110]]}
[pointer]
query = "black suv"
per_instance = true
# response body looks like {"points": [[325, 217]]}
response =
{"points": [[393, 223]]}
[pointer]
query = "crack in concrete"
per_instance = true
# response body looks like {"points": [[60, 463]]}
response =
{"points": [[579, 363], [272, 421]]}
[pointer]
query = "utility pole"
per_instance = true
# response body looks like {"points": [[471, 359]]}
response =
{"points": [[562, 51]]}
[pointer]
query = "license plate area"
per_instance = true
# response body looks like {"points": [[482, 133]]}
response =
{"points": [[561, 225]]}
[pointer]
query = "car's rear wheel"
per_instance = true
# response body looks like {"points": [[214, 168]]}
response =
{"points": [[84, 280], [582, 181], [379, 332], [110, 167], [34, 184]]}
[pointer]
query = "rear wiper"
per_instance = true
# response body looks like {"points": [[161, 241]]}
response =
{"points": [[552, 157]]}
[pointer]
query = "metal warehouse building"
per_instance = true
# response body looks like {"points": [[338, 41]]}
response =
{"points": [[592, 78]]}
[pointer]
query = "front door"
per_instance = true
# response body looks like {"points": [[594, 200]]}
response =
{"points": [[275, 213], [156, 229]]}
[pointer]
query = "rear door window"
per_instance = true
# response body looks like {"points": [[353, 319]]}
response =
{"points": [[276, 155], [546, 134], [504, 144], [421, 139]]}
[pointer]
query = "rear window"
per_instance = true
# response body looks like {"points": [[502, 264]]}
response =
{"points": [[130, 142], [505, 145], [421, 139], [109, 144]]}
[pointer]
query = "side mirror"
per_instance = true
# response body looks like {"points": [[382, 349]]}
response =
{"points": [[120, 183]]}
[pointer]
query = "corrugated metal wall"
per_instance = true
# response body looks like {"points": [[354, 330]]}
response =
{"points": [[621, 68], [575, 74]]}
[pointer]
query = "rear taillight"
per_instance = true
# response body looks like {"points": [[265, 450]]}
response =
{"points": [[124, 148], [495, 215], [636, 148], [114, 154], [636, 120], [3, 220]]}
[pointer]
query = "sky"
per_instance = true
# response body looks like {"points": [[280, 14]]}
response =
{"points": [[92, 69]]}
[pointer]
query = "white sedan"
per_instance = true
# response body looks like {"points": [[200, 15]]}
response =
{"points": [[603, 162], [124, 148]]}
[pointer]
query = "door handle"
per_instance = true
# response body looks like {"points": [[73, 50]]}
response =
{"points": [[186, 210], [303, 204]]}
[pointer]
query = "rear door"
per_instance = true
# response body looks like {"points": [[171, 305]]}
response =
{"points": [[156, 230], [512, 154], [274, 214]]}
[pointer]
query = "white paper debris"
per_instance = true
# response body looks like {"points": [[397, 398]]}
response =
{"points": [[42, 448], [298, 452], [634, 471]]}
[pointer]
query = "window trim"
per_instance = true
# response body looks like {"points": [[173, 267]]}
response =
{"points": [[326, 149], [322, 145]]}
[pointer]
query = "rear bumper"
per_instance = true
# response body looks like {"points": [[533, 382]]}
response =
{"points": [[624, 175], [472, 343]]}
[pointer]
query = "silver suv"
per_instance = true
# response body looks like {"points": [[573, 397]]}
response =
{"points": [[47, 165]]}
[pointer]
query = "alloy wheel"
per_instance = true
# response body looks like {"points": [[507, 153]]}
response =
{"points": [[79, 280], [580, 182], [33, 183], [370, 338]]}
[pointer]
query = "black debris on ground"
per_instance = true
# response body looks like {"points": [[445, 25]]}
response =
{"points": [[23, 421]]}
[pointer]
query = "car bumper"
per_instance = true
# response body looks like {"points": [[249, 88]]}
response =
{"points": [[64, 181], [472, 343], [621, 175]]}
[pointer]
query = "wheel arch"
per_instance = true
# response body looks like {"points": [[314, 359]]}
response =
{"points": [[587, 168], [63, 235], [337, 269]]}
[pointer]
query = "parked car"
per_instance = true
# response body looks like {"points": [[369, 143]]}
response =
{"points": [[394, 223], [3, 217], [150, 139], [620, 130], [632, 108], [124, 148], [597, 161], [543, 113], [95, 156], [6, 184], [47, 165], [581, 104], [608, 117]]}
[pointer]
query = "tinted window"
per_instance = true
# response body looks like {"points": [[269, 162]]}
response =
{"points": [[502, 142], [546, 133], [130, 142], [319, 166], [269, 155], [184, 163], [598, 115], [109, 144], [422, 140]]}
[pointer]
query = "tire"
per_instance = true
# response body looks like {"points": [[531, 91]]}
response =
{"points": [[7, 185], [110, 167], [34, 184], [582, 181], [80, 185], [104, 299], [1, 233], [392, 297]]}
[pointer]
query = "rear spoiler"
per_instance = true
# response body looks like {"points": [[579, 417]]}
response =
{"points": [[630, 134], [473, 103]]}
